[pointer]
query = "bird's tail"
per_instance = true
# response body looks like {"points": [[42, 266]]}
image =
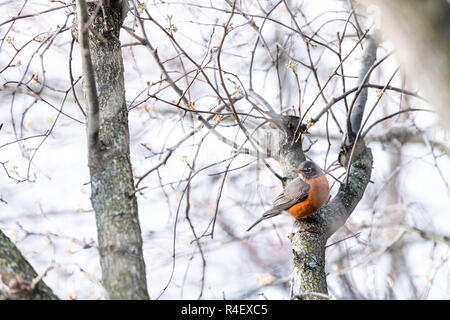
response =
{"points": [[266, 215]]}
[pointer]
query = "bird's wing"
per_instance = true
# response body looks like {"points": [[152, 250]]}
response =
{"points": [[296, 191]]}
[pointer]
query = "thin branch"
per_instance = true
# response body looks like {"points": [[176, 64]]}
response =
{"points": [[88, 73]]}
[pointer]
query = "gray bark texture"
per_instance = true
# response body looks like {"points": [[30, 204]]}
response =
{"points": [[18, 280], [112, 187], [308, 244], [358, 109], [309, 247]]}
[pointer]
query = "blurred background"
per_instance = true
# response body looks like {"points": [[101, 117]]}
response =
{"points": [[197, 195]]}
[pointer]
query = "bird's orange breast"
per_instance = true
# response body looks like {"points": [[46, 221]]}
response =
{"points": [[317, 195]]}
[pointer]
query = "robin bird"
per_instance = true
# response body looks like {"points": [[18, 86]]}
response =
{"points": [[301, 198]]}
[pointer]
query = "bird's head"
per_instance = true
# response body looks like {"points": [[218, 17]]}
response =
{"points": [[309, 169]]}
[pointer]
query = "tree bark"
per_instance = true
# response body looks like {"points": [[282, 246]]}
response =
{"points": [[112, 187], [308, 244], [18, 280]]}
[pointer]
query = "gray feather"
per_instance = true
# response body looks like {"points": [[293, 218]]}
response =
{"points": [[296, 191]]}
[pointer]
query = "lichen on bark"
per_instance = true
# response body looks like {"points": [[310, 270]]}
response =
{"points": [[309, 240], [17, 275], [112, 186]]}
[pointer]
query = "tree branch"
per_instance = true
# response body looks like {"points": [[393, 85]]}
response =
{"points": [[309, 241], [113, 194], [18, 280], [90, 88]]}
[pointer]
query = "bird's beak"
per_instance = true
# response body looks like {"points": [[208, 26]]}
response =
{"points": [[298, 171]]}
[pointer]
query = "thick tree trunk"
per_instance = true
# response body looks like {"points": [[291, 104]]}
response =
{"points": [[18, 280], [112, 187]]}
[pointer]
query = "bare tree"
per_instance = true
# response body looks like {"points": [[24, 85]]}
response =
{"points": [[113, 194], [215, 103]]}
